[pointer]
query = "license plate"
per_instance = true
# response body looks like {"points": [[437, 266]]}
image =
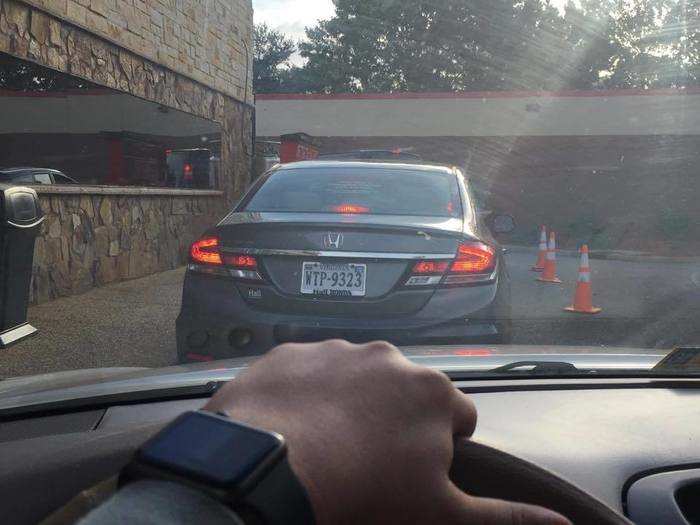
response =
{"points": [[334, 280]]}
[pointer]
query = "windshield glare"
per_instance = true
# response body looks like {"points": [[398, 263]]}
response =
{"points": [[495, 187]]}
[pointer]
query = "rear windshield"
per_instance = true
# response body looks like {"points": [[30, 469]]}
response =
{"points": [[358, 190]]}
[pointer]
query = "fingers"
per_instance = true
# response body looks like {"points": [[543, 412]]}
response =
{"points": [[486, 511], [463, 414]]}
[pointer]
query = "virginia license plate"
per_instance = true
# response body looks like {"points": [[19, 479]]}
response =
{"points": [[334, 280]]}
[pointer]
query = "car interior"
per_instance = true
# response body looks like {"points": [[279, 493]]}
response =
{"points": [[595, 449]]}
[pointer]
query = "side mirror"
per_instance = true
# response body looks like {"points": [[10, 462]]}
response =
{"points": [[503, 224]]}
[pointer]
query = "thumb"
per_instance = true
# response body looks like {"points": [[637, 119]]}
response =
{"points": [[486, 511]]}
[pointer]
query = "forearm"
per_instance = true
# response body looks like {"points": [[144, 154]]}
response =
{"points": [[156, 502]]}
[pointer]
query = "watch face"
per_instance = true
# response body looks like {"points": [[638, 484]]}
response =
{"points": [[211, 448]]}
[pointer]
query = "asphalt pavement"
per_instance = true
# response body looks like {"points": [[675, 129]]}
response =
{"points": [[131, 323], [647, 304]]}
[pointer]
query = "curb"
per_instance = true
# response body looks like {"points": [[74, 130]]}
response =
{"points": [[612, 255]]}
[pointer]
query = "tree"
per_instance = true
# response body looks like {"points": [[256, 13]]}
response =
{"points": [[271, 59], [455, 45], [386, 45], [680, 35]]}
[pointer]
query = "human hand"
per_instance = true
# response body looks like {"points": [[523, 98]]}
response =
{"points": [[369, 434]]}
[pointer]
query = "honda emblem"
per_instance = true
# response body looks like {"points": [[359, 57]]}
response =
{"points": [[333, 240]]}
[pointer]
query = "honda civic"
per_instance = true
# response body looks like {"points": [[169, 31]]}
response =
{"points": [[353, 250]]}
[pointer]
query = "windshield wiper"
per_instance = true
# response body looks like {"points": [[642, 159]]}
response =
{"points": [[537, 367]]}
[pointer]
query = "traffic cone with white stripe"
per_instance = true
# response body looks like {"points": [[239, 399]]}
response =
{"points": [[583, 302], [542, 254], [549, 274]]}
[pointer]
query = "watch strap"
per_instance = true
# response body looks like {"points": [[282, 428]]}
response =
{"points": [[279, 498]]}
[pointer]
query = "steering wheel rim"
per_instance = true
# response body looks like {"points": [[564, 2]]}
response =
{"points": [[483, 471]]}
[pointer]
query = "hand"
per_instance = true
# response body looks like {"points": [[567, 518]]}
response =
{"points": [[370, 434]]}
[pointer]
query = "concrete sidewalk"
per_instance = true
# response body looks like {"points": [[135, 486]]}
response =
{"points": [[130, 323]]}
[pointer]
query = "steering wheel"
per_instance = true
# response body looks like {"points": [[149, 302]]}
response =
{"points": [[486, 472], [476, 469]]}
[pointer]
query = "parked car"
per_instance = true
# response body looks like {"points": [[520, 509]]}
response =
{"points": [[24, 175], [354, 250]]}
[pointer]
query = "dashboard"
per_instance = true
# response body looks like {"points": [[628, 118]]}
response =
{"points": [[633, 444]]}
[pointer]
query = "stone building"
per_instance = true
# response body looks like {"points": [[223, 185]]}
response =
{"points": [[148, 105]]}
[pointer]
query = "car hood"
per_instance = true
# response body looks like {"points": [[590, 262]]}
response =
{"points": [[106, 383]]}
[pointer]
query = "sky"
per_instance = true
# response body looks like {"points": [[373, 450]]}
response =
{"points": [[292, 16]]}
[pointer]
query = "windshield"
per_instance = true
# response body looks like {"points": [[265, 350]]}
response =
{"points": [[495, 187], [359, 190]]}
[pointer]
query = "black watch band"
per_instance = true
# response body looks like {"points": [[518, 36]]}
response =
{"points": [[278, 498], [274, 496]]}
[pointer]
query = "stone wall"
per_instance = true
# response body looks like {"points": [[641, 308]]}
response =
{"points": [[189, 55], [31, 34], [94, 236], [208, 40]]}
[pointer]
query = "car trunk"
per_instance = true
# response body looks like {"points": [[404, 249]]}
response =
{"points": [[385, 247]]}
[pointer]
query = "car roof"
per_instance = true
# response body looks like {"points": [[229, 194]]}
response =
{"points": [[318, 164]]}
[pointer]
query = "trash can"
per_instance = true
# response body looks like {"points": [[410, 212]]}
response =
{"points": [[20, 219]]}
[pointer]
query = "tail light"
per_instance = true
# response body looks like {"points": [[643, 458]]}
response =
{"points": [[350, 208], [206, 257], [245, 262], [474, 258], [206, 251], [474, 262]]}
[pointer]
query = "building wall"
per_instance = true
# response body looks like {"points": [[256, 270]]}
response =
{"points": [[206, 40], [615, 169], [490, 114], [101, 234], [637, 193], [31, 34]]}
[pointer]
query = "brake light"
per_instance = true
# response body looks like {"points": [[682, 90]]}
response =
{"points": [[430, 267], [350, 208], [206, 257], [474, 258], [473, 263], [246, 262], [187, 172], [206, 251]]}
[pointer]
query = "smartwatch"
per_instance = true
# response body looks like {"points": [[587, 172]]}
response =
{"points": [[244, 467]]}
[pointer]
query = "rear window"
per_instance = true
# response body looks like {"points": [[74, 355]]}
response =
{"points": [[358, 190]]}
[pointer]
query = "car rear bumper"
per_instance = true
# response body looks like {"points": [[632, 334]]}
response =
{"points": [[204, 339], [216, 323]]}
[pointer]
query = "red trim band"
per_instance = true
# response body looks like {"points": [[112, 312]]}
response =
{"points": [[480, 94]]}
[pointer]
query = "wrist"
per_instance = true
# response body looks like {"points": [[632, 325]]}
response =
{"points": [[238, 463]]}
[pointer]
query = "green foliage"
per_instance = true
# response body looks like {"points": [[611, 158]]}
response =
{"points": [[453, 45], [270, 58]]}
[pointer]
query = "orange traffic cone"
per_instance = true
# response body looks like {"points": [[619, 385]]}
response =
{"points": [[542, 254], [582, 298], [549, 274]]}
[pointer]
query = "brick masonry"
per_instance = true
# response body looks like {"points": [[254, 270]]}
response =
{"points": [[207, 40]]}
